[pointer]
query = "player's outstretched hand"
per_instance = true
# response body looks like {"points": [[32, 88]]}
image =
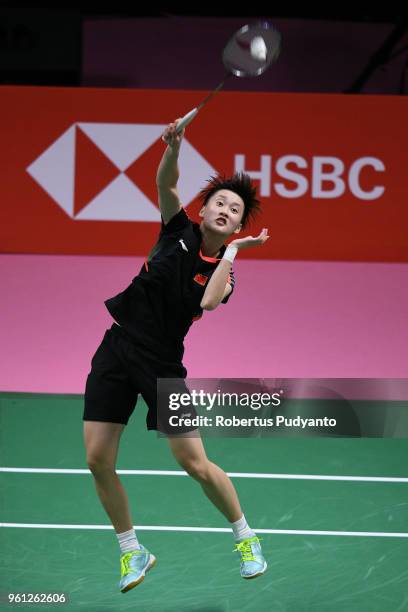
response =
{"points": [[250, 241], [170, 135]]}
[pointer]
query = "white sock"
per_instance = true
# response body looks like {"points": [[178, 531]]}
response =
{"points": [[241, 529], [128, 541]]}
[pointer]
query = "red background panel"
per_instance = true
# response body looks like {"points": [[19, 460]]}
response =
{"points": [[251, 124]]}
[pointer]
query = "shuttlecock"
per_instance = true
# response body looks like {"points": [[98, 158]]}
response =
{"points": [[258, 49]]}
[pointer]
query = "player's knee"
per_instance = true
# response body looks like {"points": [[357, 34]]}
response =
{"points": [[99, 464], [197, 469]]}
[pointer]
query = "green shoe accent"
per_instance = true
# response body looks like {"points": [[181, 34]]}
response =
{"points": [[253, 563], [133, 567], [124, 562], [245, 549]]}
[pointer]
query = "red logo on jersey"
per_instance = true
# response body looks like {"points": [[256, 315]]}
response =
{"points": [[201, 279]]}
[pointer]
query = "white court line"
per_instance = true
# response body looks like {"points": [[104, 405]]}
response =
{"points": [[232, 474], [367, 534]]}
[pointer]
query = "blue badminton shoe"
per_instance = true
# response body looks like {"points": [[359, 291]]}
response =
{"points": [[253, 563], [133, 567]]}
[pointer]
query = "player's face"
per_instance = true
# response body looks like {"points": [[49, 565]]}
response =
{"points": [[223, 212]]}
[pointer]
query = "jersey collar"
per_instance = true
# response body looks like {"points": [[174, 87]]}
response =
{"points": [[213, 259]]}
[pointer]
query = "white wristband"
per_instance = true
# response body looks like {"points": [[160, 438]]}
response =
{"points": [[230, 253]]}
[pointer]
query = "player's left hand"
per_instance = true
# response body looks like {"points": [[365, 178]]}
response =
{"points": [[250, 241]]}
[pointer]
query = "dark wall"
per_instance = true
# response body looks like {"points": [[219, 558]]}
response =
{"points": [[185, 53], [68, 46]]}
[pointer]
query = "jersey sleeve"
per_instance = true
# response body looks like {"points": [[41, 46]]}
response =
{"points": [[177, 223], [231, 281]]}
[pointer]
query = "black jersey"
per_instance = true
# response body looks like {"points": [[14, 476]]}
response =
{"points": [[159, 306]]}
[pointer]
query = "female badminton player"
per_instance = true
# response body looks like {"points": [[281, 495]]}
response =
{"points": [[189, 270]]}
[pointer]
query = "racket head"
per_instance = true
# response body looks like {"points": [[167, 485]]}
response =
{"points": [[237, 57]]}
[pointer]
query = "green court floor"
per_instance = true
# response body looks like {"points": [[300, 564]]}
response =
{"points": [[53, 538]]}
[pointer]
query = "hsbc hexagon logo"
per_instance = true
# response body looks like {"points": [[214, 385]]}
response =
{"points": [[95, 171]]}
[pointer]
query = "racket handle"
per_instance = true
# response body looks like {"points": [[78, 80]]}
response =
{"points": [[186, 120]]}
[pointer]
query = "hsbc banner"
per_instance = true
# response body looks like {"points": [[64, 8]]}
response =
{"points": [[79, 167]]}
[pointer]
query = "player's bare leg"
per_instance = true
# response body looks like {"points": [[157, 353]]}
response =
{"points": [[191, 455], [102, 443]]}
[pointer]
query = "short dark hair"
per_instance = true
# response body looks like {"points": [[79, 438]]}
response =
{"points": [[239, 183]]}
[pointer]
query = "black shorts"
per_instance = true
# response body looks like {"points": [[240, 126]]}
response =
{"points": [[121, 370]]}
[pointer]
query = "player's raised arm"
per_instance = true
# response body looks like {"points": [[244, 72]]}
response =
{"points": [[168, 174], [218, 288]]}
